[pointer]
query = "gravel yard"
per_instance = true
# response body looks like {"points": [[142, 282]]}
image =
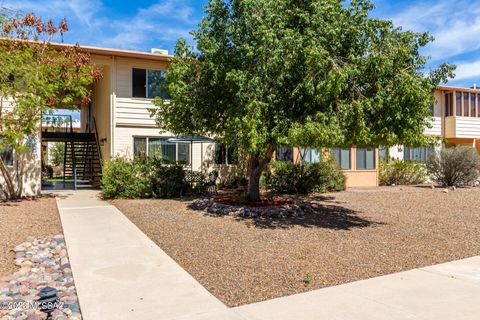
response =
{"points": [[23, 219], [353, 235]]}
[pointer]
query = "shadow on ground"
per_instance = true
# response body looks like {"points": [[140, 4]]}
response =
{"points": [[327, 216]]}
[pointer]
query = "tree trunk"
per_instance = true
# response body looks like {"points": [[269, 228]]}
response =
{"points": [[9, 190], [256, 165]]}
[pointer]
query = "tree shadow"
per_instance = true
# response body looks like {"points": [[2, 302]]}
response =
{"points": [[324, 216]]}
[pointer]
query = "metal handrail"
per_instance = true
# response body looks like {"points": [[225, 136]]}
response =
{"points": [[68, 123]]}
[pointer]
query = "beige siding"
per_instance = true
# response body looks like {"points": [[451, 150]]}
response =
{"points": [[124, 73], [436, 129], [101, 111], [128, 110], [133, 111], [462, 127]]}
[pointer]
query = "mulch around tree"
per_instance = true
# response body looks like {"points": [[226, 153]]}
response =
{"points": [[21, 220], [352, 235]]}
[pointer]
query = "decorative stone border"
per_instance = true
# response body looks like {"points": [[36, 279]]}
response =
{"points": [[295, 209], [43, 262]]}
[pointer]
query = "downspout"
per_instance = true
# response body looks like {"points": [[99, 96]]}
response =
{"points": [[113, 82]]}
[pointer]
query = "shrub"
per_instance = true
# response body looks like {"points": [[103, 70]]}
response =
{"points": [[165, 181], [290, 178], [400, 172], [457, 166], [122, 178]]}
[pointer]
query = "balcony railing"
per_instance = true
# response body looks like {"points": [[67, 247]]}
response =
{"points": [[57, 123]]}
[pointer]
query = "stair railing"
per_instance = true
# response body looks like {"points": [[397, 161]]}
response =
{"points": [[98, 143]]}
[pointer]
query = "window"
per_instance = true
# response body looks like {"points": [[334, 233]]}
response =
{"points": [[170, 152], [478, 105], [466, 99], [311, 155], [458, 101], [6, 154], [225, 154], [139, 147], [342, 156], [365, 158], [284, 154], [472, 105], [432, 108], [449, 104], [149, 84], [419, 154], [384, 154]]}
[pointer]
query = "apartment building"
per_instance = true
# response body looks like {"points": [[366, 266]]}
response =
{"points": [[118, 123], [455, 119]]}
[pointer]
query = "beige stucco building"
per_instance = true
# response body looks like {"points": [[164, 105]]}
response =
{"points": [[118, 123]]}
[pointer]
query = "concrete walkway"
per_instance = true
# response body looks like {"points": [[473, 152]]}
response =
{"points": [[121, 274]]}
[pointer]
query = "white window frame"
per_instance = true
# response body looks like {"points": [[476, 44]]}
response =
{"points": [[147, 138]]}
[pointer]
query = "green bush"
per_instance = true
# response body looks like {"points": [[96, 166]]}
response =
{"points": [[123, 178], [289, 178], [459, 166], [399, 172], [165, 181]]}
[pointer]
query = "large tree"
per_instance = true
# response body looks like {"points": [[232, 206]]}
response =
{"points": [[310, 73], [35, 77]]}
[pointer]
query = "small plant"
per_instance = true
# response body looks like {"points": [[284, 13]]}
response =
{"points": [[459, 166], [122, 179], [400, 172], [289, 178], [308, 279]]}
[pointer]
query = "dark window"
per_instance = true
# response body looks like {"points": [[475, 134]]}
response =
{"points": [[139, 81], [466, 99], [6, 154], [342, 156], [458, 101], [149, 84], [365, 158], [472, 105], [431, 107], [448, 104], [284, 154], [225, 154]]}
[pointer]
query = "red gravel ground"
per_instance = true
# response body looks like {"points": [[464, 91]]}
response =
{"points": [[23, 219], [353, 235]]}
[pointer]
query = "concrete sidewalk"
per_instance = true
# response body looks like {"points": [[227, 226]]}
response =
{"points": [[121, 274], [443, 292]]}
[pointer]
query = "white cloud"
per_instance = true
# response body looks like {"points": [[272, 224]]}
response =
{"points": [[90, 23], [151, 23], [467, 70], [454, 24]]}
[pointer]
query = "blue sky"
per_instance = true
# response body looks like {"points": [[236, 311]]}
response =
{"points": [[144, 24]]}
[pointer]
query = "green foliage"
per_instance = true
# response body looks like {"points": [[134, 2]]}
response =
{"points": [[36, 76], [289, 178], [310, 73], [57, 153], [123, 178], [459, 166], [399, 172], [164, 181]]}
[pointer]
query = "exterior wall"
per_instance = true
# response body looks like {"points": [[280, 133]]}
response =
{"points": [[355, 177], [462, 127], [32, 179], [101, 109], [361, 178]]}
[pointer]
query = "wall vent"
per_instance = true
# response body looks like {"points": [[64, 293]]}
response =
{"points": [[159, 51]]}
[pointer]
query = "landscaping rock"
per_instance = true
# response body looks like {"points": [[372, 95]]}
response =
{"points": [[295, 209], [44, 262]]}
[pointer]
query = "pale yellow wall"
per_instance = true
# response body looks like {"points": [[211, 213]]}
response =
{"points": [[101, 106]]}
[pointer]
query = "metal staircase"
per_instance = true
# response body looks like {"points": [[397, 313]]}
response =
{"points": [[82, 162]]}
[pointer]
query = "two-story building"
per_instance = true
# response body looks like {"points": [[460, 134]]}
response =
{"points": [[118, 123]]}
